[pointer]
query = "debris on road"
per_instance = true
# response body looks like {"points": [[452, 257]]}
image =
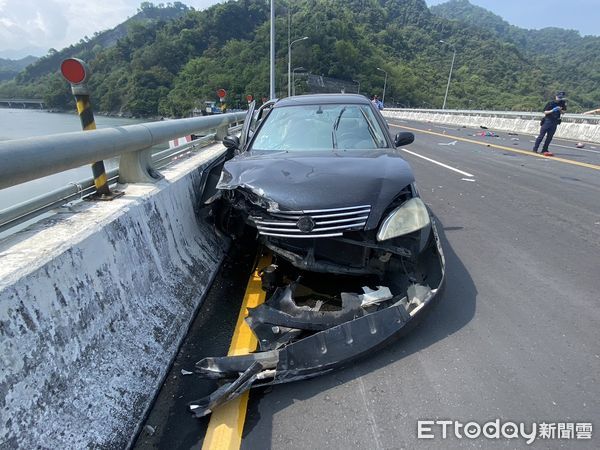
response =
{"points": [[447, 143], [487, 134], [468, 179], [580, 145], [186, 372]]}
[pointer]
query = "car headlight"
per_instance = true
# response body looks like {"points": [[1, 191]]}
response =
{"points": [[409, 217]]}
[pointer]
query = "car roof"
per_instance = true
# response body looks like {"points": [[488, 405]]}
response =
{"points": [[323, 99]]}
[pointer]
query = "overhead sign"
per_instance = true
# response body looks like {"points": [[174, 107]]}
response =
{"points": [[74, 70], [221, 93]]}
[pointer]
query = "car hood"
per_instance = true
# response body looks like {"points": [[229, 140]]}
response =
{"points": [[321, 180]]}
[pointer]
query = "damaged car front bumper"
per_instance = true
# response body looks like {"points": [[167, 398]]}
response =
{"points": [[299, 340]]}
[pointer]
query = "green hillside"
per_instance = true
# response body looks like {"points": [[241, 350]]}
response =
{"points": [[571, 62], [170, 67], [9, 68]]}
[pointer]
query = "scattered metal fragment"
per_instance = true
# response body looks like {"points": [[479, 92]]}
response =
{"points": [[186, 372]]}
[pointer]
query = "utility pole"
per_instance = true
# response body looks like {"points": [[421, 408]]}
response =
{"points": [[450, 75], [290, 63], [272, 71], [384, 86]]}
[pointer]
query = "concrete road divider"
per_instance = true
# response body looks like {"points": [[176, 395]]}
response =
{"points": [[94, 303]]}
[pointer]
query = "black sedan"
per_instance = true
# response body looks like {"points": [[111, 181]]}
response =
{"points": [[318, 180]]}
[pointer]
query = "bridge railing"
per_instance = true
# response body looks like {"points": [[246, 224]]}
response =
{"points": [[28, 159]]}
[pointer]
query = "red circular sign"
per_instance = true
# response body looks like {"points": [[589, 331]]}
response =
{"points": [[221, 93], [249, 98], [73, 70]]}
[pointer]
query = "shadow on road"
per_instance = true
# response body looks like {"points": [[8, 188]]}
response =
{"points": [[454, 310]]}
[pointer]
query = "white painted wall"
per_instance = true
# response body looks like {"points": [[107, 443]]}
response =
{"points": [[93, 306], [575, 129]]}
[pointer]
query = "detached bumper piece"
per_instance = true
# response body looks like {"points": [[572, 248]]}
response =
{"points": [[302, 341]]}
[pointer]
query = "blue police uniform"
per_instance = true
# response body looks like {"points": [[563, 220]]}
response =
{"points": [[549, 124]]}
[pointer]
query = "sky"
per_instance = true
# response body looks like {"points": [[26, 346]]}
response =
{"points": [[34, 26], [580, 15]]}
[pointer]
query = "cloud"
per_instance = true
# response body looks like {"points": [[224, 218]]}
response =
{"points": [[29, 23]]}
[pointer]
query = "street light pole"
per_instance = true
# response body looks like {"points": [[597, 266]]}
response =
{"points": [[272, 70], [384, 85], [294, 78], [450, 74], [290, 63]]}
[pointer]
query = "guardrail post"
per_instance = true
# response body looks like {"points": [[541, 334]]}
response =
{"points": [[221, 132], [75, 71], [137, 167]]}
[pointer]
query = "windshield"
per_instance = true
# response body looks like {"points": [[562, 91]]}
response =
{"points": [[320, 127]]}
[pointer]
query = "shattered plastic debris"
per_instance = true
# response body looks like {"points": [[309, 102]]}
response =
{"points": [[447, 143], [580, 145], [186, 372], [417, 293], [373, 297], [468, 179], [488, 134], [149, 429]]}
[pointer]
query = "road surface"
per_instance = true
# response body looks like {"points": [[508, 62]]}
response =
{"points": [[516, 336]]}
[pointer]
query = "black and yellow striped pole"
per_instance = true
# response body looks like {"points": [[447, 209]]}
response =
{"points": [[75, 71]]}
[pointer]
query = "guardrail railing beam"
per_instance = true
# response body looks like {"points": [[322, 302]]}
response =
{"points": [[23, 160]]}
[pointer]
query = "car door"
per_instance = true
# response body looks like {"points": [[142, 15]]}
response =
{"points": [[245, 133]]}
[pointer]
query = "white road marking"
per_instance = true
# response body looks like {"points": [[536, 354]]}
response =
{"points": [[573, 148], [466, 174]]}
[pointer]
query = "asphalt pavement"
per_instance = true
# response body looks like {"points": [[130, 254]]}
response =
{"points": [[516, 336]]}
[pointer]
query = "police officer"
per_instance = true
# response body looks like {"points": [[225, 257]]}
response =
{"points": [[552, 112]]}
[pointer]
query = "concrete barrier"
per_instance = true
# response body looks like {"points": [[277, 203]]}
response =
{"points": [[94, 303], [576, 128]]}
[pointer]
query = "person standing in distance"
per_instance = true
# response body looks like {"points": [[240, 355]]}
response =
{"points": [[378, 103], [551, 120]]}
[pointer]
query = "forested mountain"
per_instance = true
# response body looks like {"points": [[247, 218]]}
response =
{"points": [[9, 68], [572, 61], [170, 67]]}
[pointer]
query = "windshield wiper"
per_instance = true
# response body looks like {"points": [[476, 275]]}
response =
{"points": [[371, 129], [336, 124]]}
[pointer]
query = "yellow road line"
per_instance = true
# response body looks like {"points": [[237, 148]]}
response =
{"points": [[227, 421], [502, 147]]}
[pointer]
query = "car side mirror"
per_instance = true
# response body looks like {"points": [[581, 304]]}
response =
{"points": [[231, 142], [404, 138]]}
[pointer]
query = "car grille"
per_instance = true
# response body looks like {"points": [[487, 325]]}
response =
{"points": [[315, 223]]}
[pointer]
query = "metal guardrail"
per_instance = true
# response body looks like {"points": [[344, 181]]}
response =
{"points": [[575, 118], [27, 159], [23, 160]]}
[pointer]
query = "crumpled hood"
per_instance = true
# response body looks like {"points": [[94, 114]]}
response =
{"points": [[321, 180]]}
